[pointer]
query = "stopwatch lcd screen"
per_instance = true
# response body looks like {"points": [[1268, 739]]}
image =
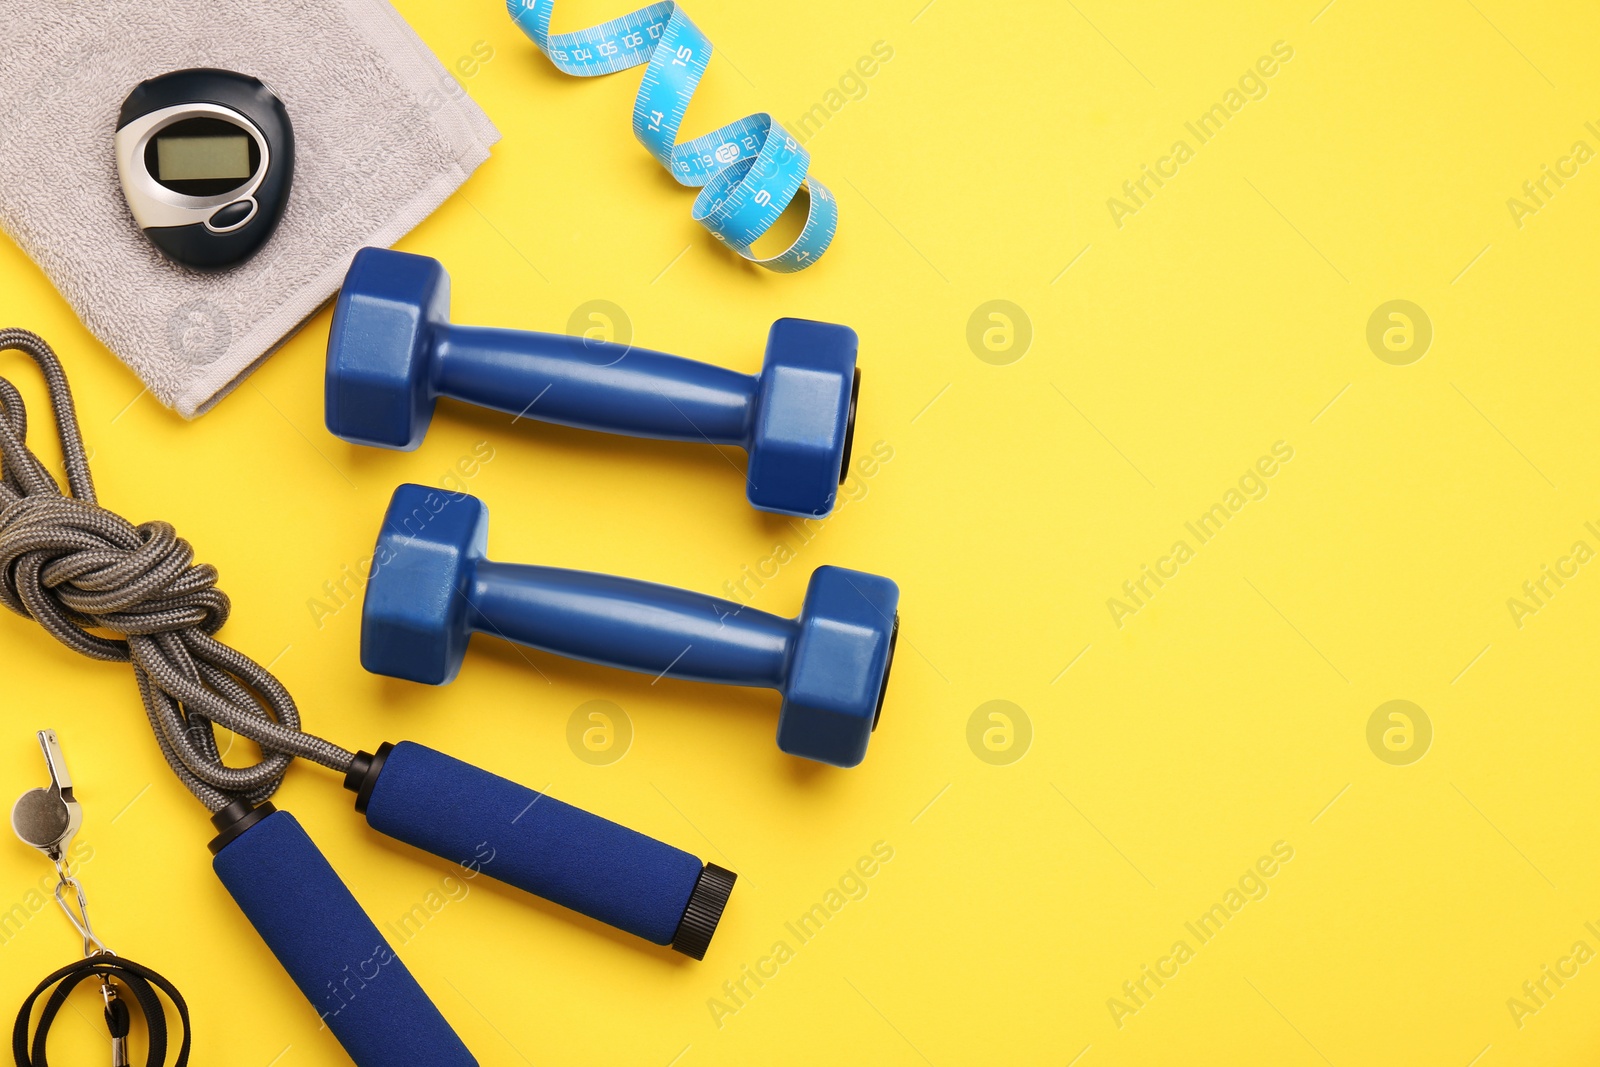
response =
{"points": [[186, 158]]}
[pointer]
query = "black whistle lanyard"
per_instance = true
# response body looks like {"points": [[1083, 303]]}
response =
{"points": [[114, 973], [47, 818]]}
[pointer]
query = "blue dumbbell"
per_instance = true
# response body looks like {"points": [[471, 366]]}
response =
{"points": [[432, 588], [392, 352]]}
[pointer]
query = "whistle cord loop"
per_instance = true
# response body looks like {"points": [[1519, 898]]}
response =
{"points": [[138, 979]]}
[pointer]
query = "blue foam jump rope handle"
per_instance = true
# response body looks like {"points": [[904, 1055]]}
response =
{"points": [[332, 950], [553, 850]]}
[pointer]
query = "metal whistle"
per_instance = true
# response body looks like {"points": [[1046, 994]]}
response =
{"points": [[47, 818]]}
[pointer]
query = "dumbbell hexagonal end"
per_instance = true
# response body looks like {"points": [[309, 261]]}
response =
{"points": [[378, 388], [804, 417], [414, 620], [840, 666]]}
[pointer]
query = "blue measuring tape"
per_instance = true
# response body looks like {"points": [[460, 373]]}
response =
{"points": [[748, 171]]}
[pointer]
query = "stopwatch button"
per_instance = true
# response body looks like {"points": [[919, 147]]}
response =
{"points": [[235, 214]]}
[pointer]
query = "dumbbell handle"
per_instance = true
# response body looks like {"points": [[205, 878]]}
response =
{"points": [[627, 623], [594, 385]]}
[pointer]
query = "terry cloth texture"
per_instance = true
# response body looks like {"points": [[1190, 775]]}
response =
{"points": [[383, 135]]}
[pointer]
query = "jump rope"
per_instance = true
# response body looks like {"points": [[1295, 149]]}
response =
{"points": [[73, 567], [82, 572]]}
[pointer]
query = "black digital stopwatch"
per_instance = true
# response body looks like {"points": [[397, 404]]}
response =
{"points": [[206, 158]]}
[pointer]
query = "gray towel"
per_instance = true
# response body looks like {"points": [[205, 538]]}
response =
{"points": [[383, 135]]}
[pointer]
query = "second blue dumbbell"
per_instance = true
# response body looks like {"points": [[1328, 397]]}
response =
{"points": [[432, 588], [392, 352]]}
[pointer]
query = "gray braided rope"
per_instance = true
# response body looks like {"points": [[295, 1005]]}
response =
{"points": [[74, 567]]}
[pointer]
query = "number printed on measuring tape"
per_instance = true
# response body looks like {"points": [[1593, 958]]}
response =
{"points": [[747, 172]]}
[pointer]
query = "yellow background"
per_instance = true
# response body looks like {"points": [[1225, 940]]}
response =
{"points": [[1228, 714]]}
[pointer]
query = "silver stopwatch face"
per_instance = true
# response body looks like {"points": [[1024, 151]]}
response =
{"points": [[192, 164]]}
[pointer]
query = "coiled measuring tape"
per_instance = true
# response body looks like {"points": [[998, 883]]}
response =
{"points": [[748, 171]]}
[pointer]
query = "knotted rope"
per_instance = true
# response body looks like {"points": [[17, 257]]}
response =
{"points": [[75, 568]]}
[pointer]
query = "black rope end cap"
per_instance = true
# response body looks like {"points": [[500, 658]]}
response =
{"points": [[235, 819], [704, 911], [362, 777]]}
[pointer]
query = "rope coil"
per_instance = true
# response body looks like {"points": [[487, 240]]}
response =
{"points": [[76, 568]]}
